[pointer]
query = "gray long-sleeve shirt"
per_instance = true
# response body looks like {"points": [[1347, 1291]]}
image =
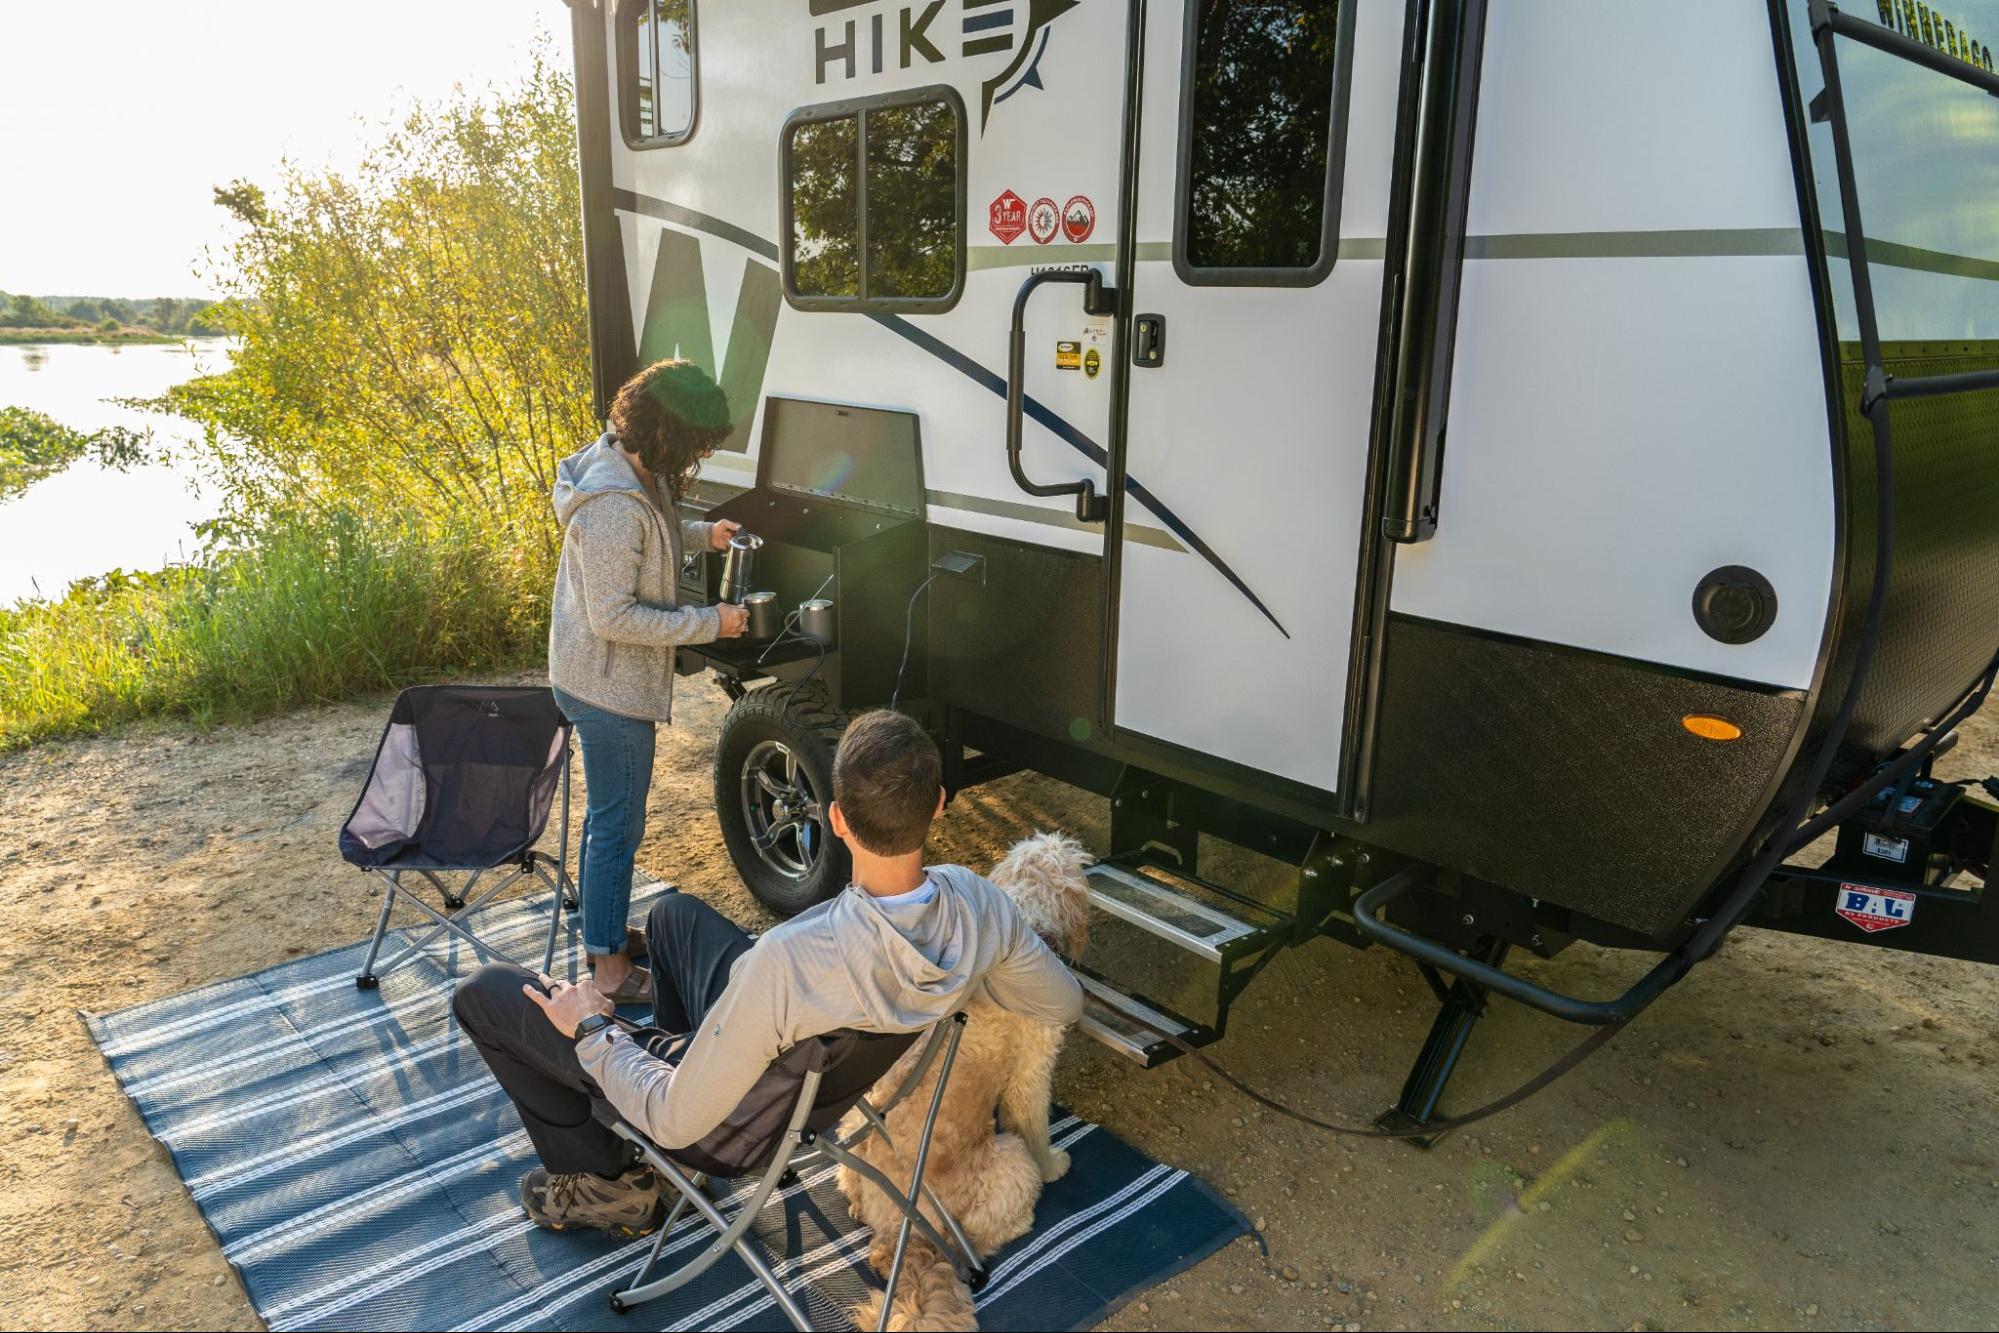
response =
{"points": [[614, 624], [853, 962]]}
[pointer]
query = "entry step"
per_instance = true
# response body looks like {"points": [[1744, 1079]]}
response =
{"points": [[1131, 1027], [1177, 915]]}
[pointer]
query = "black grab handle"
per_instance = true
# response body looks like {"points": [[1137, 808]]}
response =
{"points": [[1596, 1013], [1097, 300]]}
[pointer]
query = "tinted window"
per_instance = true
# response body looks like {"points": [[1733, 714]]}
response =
{"points": [[658, 69], [910, 152], [912, 201], [825, 208], [1260, 140]]}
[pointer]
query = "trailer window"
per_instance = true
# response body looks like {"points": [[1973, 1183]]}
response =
{"points": [[825, 209], [1262, 141], [874, 203], [657, 72]]}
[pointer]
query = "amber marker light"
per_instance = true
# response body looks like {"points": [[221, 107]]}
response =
{"points": [[1710, 728]]}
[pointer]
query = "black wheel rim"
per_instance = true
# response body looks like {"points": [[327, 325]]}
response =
{"points": [[783, 810]]}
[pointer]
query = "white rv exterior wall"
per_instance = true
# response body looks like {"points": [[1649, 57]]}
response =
{"points": [[1618, 427], [1259, 425], [1638, 396]]}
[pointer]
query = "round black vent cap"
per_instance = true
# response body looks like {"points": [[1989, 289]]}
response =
{"points": [[1735, 604]]}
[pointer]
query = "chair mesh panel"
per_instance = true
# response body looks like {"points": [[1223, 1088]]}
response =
{"points": [[490, 761], [849, 1063]]}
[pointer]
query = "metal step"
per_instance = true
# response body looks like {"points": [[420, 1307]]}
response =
{"points": [[1132, 1027], [1160, 909]]}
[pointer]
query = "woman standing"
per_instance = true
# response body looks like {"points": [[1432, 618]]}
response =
{"points": [[615, 625]]}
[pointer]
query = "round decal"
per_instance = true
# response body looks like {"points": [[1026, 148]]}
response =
{"points": [[1092, 363], [1079, 218], [1043, 220]]}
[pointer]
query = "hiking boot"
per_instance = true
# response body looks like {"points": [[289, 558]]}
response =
{"points": [[627, 1207]]}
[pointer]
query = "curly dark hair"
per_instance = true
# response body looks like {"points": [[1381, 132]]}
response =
{"points": [[671, 414]]}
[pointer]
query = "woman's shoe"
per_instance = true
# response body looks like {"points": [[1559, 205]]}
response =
{"points": [[636, 988]]}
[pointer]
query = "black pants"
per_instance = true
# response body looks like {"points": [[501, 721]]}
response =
{"points": [[692, 947]]}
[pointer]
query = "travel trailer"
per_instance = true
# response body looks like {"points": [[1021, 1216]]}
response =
{"points": [[1469, 451]]}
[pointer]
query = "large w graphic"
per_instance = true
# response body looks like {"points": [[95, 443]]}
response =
{"points": [[677, 324]]}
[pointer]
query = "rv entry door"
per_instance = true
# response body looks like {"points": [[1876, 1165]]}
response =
{"points": [[1265, 143]]}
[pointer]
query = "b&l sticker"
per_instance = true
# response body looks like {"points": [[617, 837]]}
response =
{"points": [[1043, 220], [1875, 909], [1009, 217], [1068, 356]]}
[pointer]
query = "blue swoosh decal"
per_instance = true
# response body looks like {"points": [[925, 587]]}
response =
{"points": [[1056, 425]]}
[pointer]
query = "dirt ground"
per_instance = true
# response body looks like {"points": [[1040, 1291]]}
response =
{"points": [[1802, 1135]]}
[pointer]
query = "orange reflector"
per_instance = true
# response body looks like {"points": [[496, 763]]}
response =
{"points": [[1711, 728]]}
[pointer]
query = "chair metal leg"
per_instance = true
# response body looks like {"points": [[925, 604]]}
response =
{"points": [[875, 1176], [568, 890], [914, 1207], [732, 1230], [554, 917], [368, 980], [455, 924], [879, 1126]]}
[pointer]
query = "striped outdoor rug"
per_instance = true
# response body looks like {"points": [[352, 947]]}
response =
{"points": [[360, 1169]]}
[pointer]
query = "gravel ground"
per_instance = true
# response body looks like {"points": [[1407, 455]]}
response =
{"points": [[1799, 1136]]}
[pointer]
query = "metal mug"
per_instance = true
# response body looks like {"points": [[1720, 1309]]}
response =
{"points": [[764, 618], [815, 621], [738, 562]]}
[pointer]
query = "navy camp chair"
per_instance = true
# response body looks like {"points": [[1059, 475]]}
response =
{"points": [[462, 784]]}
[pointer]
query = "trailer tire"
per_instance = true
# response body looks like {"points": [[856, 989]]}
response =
{"points": [[773, 784]]}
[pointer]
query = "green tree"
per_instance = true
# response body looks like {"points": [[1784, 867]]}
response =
{"points": [[413, 336]]}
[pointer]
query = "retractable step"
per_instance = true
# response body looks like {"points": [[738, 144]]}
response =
{"points": [[1159, 933], [1173, 912], [1133, 1028]]}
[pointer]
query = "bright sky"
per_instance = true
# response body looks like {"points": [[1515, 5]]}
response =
{"points": [[118, 117]]}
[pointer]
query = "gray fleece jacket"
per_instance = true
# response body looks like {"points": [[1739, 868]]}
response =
{"points": [[848, 963], [614, 624]]}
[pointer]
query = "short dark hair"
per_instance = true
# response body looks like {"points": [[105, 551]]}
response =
{"points": [[886, 776]]}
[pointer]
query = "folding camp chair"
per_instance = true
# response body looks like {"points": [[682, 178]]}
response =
{"points": [[831, 1075], [462, 783]]}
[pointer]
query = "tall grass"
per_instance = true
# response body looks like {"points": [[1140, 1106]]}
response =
{"points": [[320, 607]]}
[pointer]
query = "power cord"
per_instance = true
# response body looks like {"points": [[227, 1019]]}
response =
{"points": [[909, 633]]}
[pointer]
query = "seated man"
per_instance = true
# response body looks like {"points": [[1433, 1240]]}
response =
{"points": [[901, 948]]}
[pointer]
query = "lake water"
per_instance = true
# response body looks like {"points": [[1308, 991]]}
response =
{"points": [[89, 519]]}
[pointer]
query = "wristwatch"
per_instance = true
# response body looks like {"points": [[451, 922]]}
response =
{"points": [[591, 1025]]}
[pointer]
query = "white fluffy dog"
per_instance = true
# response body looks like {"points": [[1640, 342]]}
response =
{"points": [[989, 1178]]}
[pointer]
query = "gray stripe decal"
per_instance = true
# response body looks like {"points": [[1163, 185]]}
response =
{"points": [[1692, 243], [1054, 518], [978, 257], [1719, 243], [1706, 244]]}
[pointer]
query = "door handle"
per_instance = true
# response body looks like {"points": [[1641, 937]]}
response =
{"points": [[1148, 341], [1097, 300]]}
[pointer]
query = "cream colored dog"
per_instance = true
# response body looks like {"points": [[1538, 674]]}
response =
{"points": [[990, 1178]]}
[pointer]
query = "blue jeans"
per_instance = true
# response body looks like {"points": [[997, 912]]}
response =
{"points": [[617, 773]]}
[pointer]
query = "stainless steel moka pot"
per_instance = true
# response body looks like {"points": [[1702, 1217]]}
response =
{"points": [[738, 564]]}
